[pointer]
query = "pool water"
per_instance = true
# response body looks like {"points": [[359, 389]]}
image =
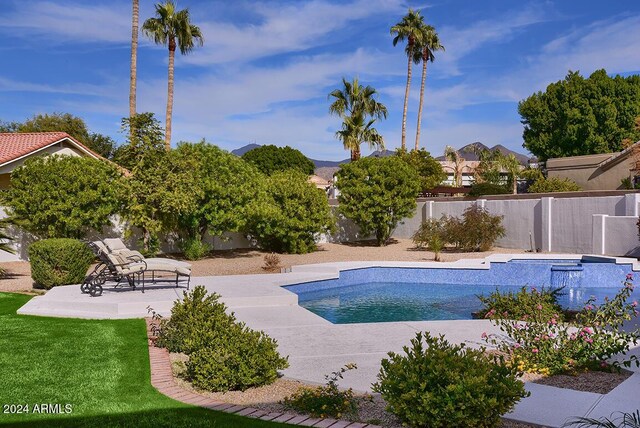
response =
{"points": [[381, 294], [402, 301]]}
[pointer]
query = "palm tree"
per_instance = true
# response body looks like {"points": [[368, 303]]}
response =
{"points": [[411, 29], [134, 59], [457, 160], [425, 50], [359, 110], [511, 165], [172, 28]]}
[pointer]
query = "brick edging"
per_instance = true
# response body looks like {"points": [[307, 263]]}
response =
{"points": [[162, 380]]}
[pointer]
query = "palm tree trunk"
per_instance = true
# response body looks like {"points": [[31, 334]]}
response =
{"points": [[515, 184], [424, 78], [167, 131], [406, 102], [134, 64], [355, 154]]}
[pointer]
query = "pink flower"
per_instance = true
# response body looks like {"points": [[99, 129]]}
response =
{"points": [[634, 304], [553, 321], [588, 307], [588, 340], [534, 350], [484, 335], [573, 336], [603, 364], [539, 307], [629, 276], [588, 330], [490, 313], [517, 345]]}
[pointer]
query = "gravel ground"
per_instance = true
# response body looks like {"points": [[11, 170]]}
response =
{"points": [[249, 261], [598, 382]]}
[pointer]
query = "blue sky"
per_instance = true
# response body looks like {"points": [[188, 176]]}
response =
{"points": [[266, 68]]}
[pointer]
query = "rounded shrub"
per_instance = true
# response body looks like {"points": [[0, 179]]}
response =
{"points": [[59, 261], [481, 189], [437, 384]]}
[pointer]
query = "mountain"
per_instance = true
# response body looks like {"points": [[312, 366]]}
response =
{"points": [[244, 149], [470, 152], [328, 164]]}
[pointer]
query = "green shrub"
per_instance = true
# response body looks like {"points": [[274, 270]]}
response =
{"points": [[63, 196], [195, 249], [522, 305], [327, 400], [548, 346], [479, 229], [553, 184], [59, 262], [437, 384], [223, 353], [293, 213], [269, 159], [431, 235], [486, 188], [377, 194]]}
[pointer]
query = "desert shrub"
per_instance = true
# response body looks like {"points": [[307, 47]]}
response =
{"points": [[327, 400], [548, 346], [195, 249], [437, 384], [59, 261], [553, 184], [377, 193], [431, 235], [291, 215], [486, 188], [479, 229], [224, 354], [63, 196], [271, 262], [523, 304]]}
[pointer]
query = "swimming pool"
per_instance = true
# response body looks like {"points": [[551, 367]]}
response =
{"points": [[383, 294]]}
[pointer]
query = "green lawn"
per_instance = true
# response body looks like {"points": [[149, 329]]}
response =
{"points": [[100, 368]]}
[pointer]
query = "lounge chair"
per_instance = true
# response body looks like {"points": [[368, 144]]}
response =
{"points": [[118, 263]]}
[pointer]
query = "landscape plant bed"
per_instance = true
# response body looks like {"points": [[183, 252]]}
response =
{"points": [[371, 408], [600, 382]]}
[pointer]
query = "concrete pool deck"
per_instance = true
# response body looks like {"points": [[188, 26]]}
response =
{"points": [[316, 347]]}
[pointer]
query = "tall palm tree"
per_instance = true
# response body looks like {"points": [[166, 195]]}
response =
{"points": [[430, 43], [359, 109], [172, 28], [511, 165], [134, 59], [411, 29]]}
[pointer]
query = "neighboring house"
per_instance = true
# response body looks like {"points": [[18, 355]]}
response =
{"points": [[467, 168], [16, 148], [598, 172]]}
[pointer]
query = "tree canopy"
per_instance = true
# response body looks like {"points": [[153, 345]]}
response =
{"points": [[63, 196], [377, 193], [269, 159], [429, 170], [578, 116]]}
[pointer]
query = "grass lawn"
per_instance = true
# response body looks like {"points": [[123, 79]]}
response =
{"points": [[100, 368]]}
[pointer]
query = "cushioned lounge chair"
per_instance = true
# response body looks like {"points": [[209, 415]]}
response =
{"points": [[117, 263]]}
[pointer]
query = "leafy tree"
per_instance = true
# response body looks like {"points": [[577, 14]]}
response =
{"points": [[144, 134], [486, 188], [225, 186], [411, 29], [424, 50], [270, 159], [578, 116], [429, 170], [160, 190], [172, 28], [63, 196], [377, 193], [359, 110], [293, 212], [103, 145], [553, 184]]}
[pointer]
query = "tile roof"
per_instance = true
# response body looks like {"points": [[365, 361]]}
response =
{"points": [[15, 145]]}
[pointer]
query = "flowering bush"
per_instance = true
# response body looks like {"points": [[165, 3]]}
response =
{"points": [[521, 305], [546, 345], [327, 400]]}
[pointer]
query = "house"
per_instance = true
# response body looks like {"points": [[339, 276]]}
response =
{"points": [[16, 148], [604, 171]]}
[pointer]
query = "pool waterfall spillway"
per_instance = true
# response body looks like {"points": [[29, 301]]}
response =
{"points": [[567, 275]]}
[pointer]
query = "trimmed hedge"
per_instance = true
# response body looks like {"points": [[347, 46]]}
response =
{"points": [[59, 261]]}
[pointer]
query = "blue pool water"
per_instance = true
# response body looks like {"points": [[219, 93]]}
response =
{"points": [[413, 294]]}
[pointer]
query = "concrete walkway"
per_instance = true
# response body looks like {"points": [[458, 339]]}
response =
{"points": [[316, 347]]}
